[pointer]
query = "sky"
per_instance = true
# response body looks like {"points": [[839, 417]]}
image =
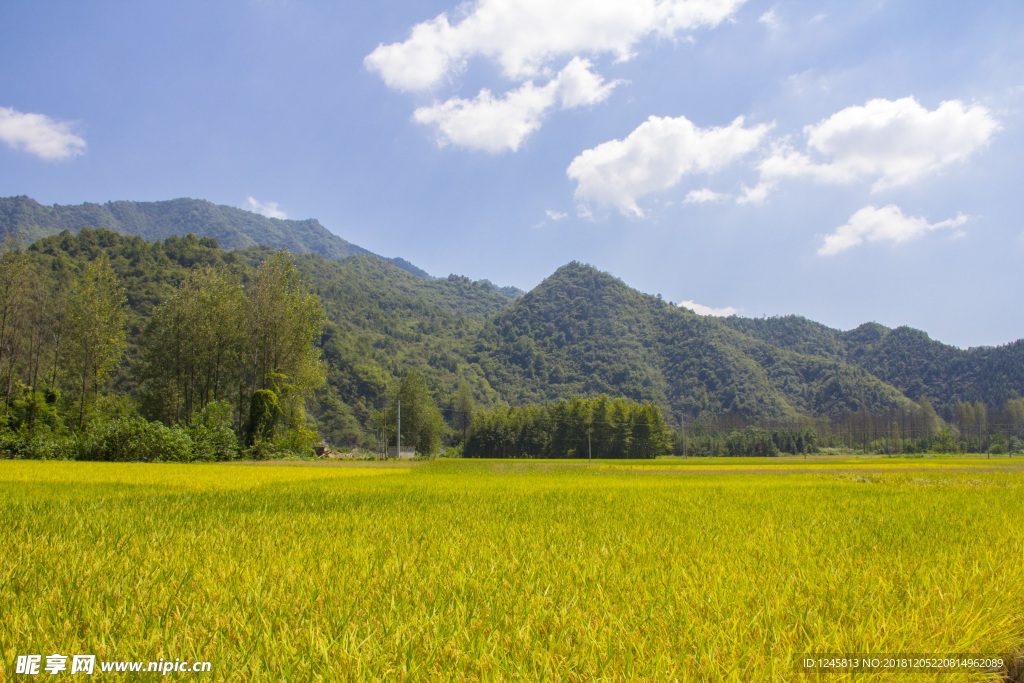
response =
{"points": [[846, 161]]}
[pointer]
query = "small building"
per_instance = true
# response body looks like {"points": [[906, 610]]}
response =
{"points": [[406, 454]]}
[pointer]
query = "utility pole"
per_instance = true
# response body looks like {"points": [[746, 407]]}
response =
{"points": [[590, 457], [399, 454]]}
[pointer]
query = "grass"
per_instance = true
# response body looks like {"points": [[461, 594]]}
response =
{"points": [[483, 570]]}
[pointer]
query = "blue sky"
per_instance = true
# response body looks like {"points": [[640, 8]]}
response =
{"points": [[846, 161]]}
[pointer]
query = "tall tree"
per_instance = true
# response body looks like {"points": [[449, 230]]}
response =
{"points": [[422, 423], [463, 408], [929, 420], [96, 334], [193, 345], [283, 322], [14, 299]]}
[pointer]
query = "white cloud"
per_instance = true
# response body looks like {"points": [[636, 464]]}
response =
{"points": [[494, 124], [524, 36], [579, 86], [556, 215], [268, 209], [655, 157], [886, 142], [887, 224], [754, 195], [40, 135], [704, 196], [701, 309], [771, 20]]}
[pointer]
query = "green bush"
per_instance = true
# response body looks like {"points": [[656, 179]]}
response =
{"points": [[212, 433], [134, 439], [38, 444], [31, 410]]}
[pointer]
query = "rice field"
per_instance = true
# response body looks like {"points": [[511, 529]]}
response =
{"points": [[665, 570]]}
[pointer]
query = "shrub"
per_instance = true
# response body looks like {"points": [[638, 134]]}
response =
{"points": [[134, 439], [37, 444], [264, 414], [213, 437]]}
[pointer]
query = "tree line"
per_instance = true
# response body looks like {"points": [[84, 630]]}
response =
{"points": [[599, 427], [971, 427], [100, 330], [225, 364]]}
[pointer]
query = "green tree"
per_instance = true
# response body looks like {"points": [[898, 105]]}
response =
{"points": [[193, 345], [929, 420], [422, 423], [463, 408], [264, 415], [96, 335], [1015, 416], [283, 323]]}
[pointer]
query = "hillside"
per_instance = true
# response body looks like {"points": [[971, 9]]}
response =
{"points": [[581, 332], [381, 320], [584, 332], [232, 228], [906, 358]]}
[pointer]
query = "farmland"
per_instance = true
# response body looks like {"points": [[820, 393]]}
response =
{"points": [[669, 569]]}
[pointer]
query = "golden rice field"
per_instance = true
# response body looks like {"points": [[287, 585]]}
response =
{"points": [[668, 570]]}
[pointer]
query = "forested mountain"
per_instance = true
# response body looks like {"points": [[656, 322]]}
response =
{"points": [[232, 228], [906, 358], [381, 321], [583, 332], [580, 333]]}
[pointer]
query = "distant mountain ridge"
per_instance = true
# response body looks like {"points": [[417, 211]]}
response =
{"points": [[233, 228], [580, 332], [904, 357]]}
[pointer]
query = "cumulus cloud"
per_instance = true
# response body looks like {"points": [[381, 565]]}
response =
{"points": [[655, 157], [887, 224], [556, 215], [268, 209], [39, 135], [886, 142], [703, 196], [524, 36], [701, 309], [498, 124]]}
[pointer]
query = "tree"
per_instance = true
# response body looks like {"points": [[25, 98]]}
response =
{"points": [[14, 299], [1015, 415], [463, 408], [422, 423], [283, 322], [929, 420], [193, 345], [96, 335]]}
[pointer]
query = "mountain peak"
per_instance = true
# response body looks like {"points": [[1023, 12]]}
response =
{"points": [[233, 228]]}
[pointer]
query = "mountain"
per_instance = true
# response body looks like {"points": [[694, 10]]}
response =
{"points": [[381, 320], [906, 358], [581, 332], [232, 228], [584, 332]]}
